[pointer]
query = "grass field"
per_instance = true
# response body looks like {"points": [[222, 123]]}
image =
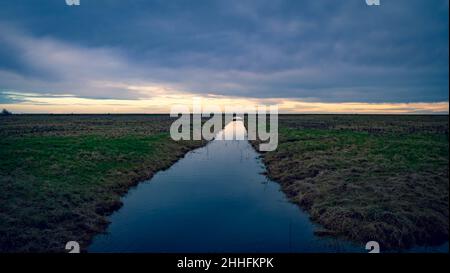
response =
{"points": [[61, 175], [382, 178]]}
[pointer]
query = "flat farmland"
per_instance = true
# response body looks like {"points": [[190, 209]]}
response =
{"points": [[367, 177], [360, 177], [62, 175]]}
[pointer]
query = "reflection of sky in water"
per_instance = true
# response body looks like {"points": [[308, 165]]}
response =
{"points": [[215, 199], [233, 131]]}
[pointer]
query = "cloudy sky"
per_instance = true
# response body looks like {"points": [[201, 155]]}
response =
{"points": [[310, 56]]}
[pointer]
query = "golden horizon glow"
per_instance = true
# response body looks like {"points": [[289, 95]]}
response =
{"points": [[32, 103]]}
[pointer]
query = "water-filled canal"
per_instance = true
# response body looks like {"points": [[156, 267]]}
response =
{"points": [[215, 199]]}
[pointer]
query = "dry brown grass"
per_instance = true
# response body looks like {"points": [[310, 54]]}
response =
{"points": [[382, 178]]}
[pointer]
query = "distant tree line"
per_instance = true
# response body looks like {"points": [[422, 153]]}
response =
{"points": [[5, 113]]}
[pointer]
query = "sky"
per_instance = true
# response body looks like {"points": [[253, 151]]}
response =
{"points": [[144, 56]]}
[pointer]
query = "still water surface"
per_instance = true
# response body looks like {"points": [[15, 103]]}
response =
{"points": [[215, 199]]}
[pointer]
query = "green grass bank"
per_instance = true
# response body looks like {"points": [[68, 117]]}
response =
{"points": [[62, 175], [367, 177]]}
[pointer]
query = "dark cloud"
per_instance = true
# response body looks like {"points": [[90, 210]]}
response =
{"points": [[314, 50]]}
